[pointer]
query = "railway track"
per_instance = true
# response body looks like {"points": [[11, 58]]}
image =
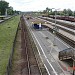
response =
{"points": [[30, 66], [64, 38], [71, 26], [62, 28]]}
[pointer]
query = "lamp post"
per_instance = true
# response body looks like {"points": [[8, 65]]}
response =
{"points": [[6, 13], [55, 28]]}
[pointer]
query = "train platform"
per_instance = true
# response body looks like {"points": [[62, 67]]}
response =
{"points": [[49, 53]]}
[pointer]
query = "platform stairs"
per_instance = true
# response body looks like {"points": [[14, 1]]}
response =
{"points": [[67, 54]]}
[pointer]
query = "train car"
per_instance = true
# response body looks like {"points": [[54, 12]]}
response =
{"points": [[66, 18]]}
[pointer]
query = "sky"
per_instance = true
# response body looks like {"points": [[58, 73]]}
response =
{"points": [[38, 5]]}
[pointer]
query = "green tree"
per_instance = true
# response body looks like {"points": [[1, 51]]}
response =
{"points": [[65, 12], [52, 13], [74, 13], [10, 11], [44, 11], [3, 7], [17, 12], [48, 11], [69, 11], [61, 13]]}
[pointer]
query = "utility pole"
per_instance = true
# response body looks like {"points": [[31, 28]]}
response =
{"points": [[6, 13], [55, 28]]}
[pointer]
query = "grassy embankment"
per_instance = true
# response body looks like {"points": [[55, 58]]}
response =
{"points": [[7, 34]]}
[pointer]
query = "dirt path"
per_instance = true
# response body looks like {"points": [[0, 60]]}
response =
{"points": [[17, 59]]}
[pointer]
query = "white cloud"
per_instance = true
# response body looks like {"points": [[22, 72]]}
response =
{"points": [[34, 5]]}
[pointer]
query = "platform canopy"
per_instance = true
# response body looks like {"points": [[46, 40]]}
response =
{"points": [[37, 21], [28, 17]]}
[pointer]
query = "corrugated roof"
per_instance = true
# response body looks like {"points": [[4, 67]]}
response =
{"points": [[37, 21]]}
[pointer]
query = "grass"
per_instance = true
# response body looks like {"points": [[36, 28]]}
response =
{"points": [[16, 65], [7, 34]]}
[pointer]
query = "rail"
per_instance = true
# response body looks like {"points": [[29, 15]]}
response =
{"points": [[42, 69], [71, 26], [68, 40], [31, 64]]}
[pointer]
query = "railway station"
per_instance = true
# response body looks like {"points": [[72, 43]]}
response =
{"points": [[37, 41], [60, 50]]}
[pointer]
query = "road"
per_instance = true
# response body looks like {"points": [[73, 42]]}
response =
{"points": [[48, 52]]}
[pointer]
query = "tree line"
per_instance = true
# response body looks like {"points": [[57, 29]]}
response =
{"points": [[65, 12], [5, 6]]}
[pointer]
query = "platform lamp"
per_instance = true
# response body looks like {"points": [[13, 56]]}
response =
{"points": [[55, 27]]}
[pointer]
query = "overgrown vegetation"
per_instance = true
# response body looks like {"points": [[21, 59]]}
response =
{"points": [[64, 12], [5, 8], [7, 34]]}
